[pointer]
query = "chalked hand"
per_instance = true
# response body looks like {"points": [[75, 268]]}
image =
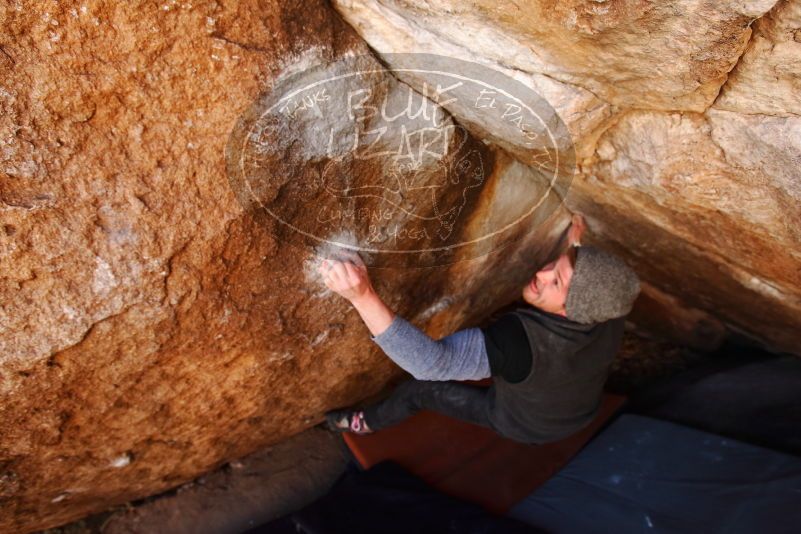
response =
{"points": [[346, 276]]}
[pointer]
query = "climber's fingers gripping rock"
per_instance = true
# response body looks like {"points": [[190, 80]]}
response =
{"points": [[343, 277], [577, 228], [353, 258]]}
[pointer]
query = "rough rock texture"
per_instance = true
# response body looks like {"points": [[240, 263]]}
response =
{"points": [[244, 493], [720, 229], [664, 316], [145, 337], [150, 328], [588, 58], [690, 172], [767, 79]]}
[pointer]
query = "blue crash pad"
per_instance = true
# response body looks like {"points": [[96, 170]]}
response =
{"points": [[648, 475]]}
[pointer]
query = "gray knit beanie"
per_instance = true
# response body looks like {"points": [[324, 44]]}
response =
{"points": [[603, 287]]}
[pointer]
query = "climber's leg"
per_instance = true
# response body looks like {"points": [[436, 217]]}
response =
{"points": [[454, 399]]}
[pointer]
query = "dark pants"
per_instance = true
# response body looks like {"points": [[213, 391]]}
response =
{"points": [[460, 401]]}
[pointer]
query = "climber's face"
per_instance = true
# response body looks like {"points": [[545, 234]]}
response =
{"points": [[547, 290]]}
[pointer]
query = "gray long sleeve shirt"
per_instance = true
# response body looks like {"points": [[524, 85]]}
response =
{"points": [[459, 356]]}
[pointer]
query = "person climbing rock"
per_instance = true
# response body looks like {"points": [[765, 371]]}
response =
{"points": [[549, 359]]}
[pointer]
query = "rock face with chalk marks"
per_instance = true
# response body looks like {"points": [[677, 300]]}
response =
{"points": [[152, 329]]}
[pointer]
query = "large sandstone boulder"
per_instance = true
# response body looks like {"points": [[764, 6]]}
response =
{"points": [[588, 58], [706, 207], [685, 119], [153, 325]]}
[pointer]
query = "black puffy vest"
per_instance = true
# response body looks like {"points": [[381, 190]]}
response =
{"points": [[562, 393]]}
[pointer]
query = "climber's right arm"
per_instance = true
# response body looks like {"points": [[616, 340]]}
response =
{"points": [[350, 280], [459, 356]]}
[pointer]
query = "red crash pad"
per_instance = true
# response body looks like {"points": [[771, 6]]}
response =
{"points": [[471, 462]]}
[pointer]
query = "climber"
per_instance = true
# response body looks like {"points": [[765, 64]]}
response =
{"points": [[549, 359]]}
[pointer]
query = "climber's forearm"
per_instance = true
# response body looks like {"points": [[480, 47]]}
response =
{"points": [[375, 314], [459, 356]]}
